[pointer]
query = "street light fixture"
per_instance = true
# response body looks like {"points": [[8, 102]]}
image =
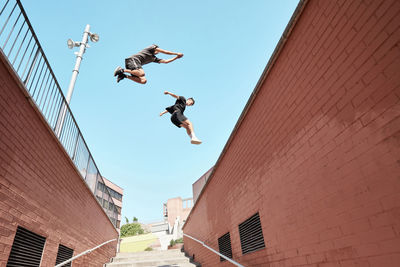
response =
{"points": [[94, 37], [70, 43]]}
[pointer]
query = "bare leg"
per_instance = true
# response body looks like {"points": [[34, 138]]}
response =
{"points": [[141, 80], [188, 126], [188, 131], [137, 73]]}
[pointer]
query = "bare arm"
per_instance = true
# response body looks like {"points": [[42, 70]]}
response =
{"points": [[168, 52], [162, 113], [168, 60], [171, 94], [178, 55]]}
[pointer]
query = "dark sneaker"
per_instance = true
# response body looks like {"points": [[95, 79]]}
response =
{"points": [[118, 71], [121, 77]]}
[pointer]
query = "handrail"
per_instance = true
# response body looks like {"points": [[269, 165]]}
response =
{"points": [[216, 252], [84, 253]]}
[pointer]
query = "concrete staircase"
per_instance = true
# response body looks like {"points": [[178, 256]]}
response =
{"points": [[164, 258]]}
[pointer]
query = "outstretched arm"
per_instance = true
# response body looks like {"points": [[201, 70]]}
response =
{"points": [[178, 55], [162, 113], [168, 60], [171, 94], [168, 52]]}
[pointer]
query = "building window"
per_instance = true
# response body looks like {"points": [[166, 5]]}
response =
{"points": [[115, 194], [251, 236], [27, 248], [105, 204], [187, 203], [224, 245], [64, 253], [100, 187]]}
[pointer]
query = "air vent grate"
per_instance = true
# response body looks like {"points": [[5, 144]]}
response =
{"points": [[224, 244], [251, 236], [64, 253], [26, 250]]}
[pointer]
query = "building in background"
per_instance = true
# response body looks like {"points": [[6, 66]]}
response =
{"points": [[177, 210], [200, 183], [116, 194], [175, 213]]}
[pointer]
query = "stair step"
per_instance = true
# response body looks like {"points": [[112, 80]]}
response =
{"points": [[147, 257], [180, 261], [149, 253], [129, 259], [161, 265]]}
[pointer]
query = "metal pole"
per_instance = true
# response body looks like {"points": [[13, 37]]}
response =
{"points": [[75, 71], [79, 56]]}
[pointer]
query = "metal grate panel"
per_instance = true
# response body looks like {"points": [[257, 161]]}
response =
{"points": [[225, 248], [64, 253], [26, 250], [251, 236]]}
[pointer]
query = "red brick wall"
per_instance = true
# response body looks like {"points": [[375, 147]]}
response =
{"points": [[318, 152], [40, 188]]}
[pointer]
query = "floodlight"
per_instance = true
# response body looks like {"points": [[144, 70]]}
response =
{"points": [[70, 43], [94, 37]]}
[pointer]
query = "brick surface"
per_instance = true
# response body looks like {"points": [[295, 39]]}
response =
{"points": [[40, 188], [318, 152]]}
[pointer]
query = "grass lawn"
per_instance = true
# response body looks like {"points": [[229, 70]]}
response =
{"points": [[137, 243]]}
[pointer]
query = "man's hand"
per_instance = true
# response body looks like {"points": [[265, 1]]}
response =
{"points": [[162, 113], [179, 55], [166, 92]]}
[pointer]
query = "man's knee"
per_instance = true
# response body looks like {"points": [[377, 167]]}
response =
{"points": [[143, 80]]}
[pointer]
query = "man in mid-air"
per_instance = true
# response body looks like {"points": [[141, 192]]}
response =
{"points": [[134, 63], [178, 118]]}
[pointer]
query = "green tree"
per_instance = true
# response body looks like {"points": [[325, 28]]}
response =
{"points": [[126, 220], [135, 219], [131, 229]]}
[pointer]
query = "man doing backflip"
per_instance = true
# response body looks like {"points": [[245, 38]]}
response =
{"points": [[178, 118], [134, 63]]}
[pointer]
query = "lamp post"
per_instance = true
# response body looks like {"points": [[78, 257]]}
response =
{"points": [[79, 55]]}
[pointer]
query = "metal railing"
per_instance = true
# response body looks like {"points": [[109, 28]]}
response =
{"points": [[84, 253], [213, 250], [20, 45]]}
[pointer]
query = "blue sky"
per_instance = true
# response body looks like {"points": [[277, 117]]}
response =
{"points": [[226, 45]]}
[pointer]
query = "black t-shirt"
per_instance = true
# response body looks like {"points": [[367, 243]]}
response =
{"points": [[146, 55], [180, 104]]}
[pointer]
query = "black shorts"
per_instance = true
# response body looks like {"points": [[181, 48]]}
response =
{"points": [[178, 118], [132, 64]]}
